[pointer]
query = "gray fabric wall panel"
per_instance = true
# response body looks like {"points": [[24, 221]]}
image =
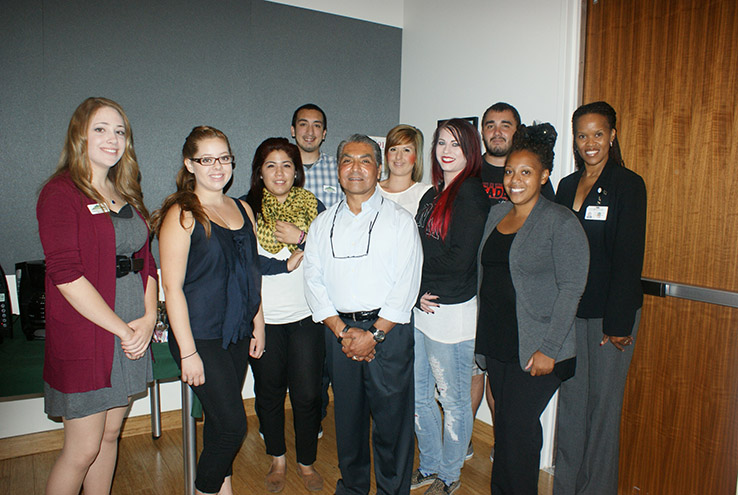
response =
{"points": [[241, 65]]}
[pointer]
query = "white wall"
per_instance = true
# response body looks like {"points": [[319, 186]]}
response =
{"points": [[458, 58], [21, 417]]}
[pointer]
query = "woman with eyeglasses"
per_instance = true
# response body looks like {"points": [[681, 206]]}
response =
{"points": [[450, 221], [610, 202], [403, 164], [101, 293], [532, 266], [284, 212], [212, 281]]}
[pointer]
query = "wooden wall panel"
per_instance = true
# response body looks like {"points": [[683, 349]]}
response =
{"points": [[669, 69], [678, 431]]}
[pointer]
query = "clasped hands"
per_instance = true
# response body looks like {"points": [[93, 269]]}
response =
{"points": [[620, 343], [138, 342], [358, 344]]}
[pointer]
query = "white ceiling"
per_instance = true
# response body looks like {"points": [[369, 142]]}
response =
{"points": [[389, 12]]}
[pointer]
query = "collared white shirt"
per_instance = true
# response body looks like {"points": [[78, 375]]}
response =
{"points": [[342, 276]]}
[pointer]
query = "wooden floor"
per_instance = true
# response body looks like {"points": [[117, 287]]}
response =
{"points": [[154, 467]]}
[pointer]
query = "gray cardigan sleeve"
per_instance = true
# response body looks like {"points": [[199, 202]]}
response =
{"points": [[570, 262]]}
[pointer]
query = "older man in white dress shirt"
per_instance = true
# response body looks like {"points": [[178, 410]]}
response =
{"points": [[363, 263]]}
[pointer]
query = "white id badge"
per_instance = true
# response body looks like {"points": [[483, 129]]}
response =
{"points": [[98, 208], [596, 213]]}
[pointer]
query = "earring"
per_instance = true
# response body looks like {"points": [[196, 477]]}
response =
{"points": [[610, 144]]}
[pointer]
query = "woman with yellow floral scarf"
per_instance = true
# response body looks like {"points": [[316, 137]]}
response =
{"points": [[295, 345]]}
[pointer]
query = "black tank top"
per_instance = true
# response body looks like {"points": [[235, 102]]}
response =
{"points": [[223, 281]]}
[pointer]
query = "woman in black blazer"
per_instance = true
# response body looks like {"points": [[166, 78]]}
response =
{"points": [[533, 268], [610, 202]]}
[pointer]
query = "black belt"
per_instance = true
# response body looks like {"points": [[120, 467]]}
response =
{"points": [[360, 315], [125, 265]]}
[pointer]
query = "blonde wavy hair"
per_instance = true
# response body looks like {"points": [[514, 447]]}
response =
{"points": [[74, 160]]}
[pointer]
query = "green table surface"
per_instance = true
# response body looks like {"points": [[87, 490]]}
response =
{"points": [[22, 362]]}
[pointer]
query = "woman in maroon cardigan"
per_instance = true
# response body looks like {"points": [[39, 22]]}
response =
{"points": [[101, 293]]}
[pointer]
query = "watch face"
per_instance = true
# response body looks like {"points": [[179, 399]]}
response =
{"points": [[379, 336]]}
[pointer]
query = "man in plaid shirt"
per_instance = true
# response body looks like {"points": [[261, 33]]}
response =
{"points": [[309, 127]]}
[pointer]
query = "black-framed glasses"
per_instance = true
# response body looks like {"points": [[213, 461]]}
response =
{"points": [[369, 237], [208, 161]]}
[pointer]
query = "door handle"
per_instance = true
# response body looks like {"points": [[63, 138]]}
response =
{"points": [[661, 288]]}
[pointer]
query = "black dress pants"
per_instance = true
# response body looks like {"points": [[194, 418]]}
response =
{"points": [[519, 401], [293, 357], [383, 391]]}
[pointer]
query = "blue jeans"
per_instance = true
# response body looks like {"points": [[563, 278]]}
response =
{"points": [[447, 367]]}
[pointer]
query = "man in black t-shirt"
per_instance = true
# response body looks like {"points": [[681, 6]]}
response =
{"points": [[499, 123]]}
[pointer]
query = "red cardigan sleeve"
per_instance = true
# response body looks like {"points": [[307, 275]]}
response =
{"points": [[57, 212]]}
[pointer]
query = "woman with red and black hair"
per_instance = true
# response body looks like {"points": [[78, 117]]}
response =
{"points": [[450, 219]]}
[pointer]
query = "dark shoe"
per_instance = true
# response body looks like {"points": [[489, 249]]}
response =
{"points": [[274, 481], [418, 479], [320, 432], [313, 481]]}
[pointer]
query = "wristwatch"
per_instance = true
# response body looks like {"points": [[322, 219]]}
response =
{"points": [[379, 335]]}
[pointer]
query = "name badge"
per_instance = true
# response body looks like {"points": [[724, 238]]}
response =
{"points": [[596, 213], [329, 189], [98, 208]]}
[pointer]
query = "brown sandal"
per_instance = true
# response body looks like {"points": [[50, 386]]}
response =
{"points": [[274, 481], [313, 481]]}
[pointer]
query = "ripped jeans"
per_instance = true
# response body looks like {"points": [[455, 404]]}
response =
{"points": [[443, 442]]}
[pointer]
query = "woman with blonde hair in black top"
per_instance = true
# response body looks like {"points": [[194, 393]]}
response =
{"points": [[212, 284]]}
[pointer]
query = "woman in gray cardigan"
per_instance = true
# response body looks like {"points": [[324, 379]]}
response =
{"points": [[533, 263]]}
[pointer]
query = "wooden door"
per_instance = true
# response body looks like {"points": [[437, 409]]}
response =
{"points": [[670, 69]]}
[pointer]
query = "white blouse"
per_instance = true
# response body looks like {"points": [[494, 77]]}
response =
{"points": [[409, 198]]}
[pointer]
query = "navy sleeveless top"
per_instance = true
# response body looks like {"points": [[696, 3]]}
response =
{"points": [[223, 282]]}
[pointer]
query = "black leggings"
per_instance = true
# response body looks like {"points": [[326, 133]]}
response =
{"points": [[293, 357], [225, 419]]}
